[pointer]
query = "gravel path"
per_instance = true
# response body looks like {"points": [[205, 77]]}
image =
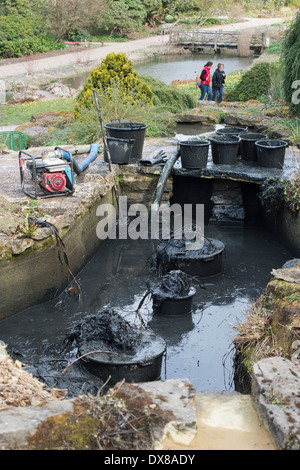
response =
{"points": [[98, 53]]}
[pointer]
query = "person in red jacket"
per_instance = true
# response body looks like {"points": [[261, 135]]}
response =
{"points": [[205, 82]]}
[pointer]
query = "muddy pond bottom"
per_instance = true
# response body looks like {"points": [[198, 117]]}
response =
{"points": [[199, 345]]}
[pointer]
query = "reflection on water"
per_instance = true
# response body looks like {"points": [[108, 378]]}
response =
{"points": [[118, 273], [169, 68]]}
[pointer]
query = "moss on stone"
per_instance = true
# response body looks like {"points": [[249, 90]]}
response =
{"points": [[69, 431], [278, 289]]}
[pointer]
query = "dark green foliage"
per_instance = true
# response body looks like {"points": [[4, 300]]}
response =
{"points": [[272, 192], [23, 29], [254, 83], [291, 63], [292, 194], [172, 98], [276, 192]]}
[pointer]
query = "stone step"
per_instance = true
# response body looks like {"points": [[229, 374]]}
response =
{"points": [[225, 421]]}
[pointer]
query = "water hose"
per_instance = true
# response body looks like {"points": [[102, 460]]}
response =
{"points": [[163, 178], [80, 167]]}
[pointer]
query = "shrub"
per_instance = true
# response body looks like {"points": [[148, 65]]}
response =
{"points": [[23, 29], [276, 192], [174, 99], [271, 193], [114, 105], [115, 70], [253, 84], [291, 65], [292, 194]]}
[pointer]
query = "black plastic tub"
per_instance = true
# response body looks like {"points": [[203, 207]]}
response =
{"points": [[224, 148], [194, 153], [129, 130], [174, 306], [120, 150], [232, 130], [113, 349], [271, 153], [142, 366], [248, 147], [204, 263]]}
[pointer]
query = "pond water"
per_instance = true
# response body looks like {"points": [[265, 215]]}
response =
{"points": [[169, 68], [199, 346]]}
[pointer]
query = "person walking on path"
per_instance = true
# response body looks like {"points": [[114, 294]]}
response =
{"points": [[205, 82], [218, 80]]}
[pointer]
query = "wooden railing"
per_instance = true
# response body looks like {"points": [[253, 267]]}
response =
{"points": [[196, 39]]}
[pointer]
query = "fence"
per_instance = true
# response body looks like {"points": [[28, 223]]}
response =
{"points": [[217, 40], [14, 140]]}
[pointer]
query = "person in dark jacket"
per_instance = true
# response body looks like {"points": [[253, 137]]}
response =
{"points": [[217, 83], [205, 82]]}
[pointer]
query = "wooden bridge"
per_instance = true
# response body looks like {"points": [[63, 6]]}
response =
{"points": [[199, 40]]}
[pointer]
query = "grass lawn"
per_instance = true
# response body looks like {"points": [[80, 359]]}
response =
{"points": [[20, 113]]}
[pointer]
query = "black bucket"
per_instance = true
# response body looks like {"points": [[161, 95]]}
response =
{"points": [[146, 368], [112, 347], [224, 149], [271, 153], [194, 153], [248, 147], [232, 130], [175, 306], [120, 150], [129, 130], [204, 263]]}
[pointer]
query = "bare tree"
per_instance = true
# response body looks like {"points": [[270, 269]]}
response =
{"points": [[69, 15]]}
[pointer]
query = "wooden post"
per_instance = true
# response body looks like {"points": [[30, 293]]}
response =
{"points": [[216, 41]]}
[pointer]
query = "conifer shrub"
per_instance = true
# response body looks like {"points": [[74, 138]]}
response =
{"points": [[115, 70], [253, 84], [173, 98]]}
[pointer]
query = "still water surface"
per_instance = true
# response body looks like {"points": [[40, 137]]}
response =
{"points": [[199, 346], [169, 68]]}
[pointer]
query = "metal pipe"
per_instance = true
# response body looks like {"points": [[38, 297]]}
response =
{"points": [[106, 148]]}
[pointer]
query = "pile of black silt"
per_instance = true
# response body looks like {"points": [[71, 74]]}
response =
{"points": [[113, 349], [106, 331], [177, 247], [172, 285]]}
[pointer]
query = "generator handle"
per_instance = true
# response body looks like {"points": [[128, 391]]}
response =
{"points": [[33, 196]]}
